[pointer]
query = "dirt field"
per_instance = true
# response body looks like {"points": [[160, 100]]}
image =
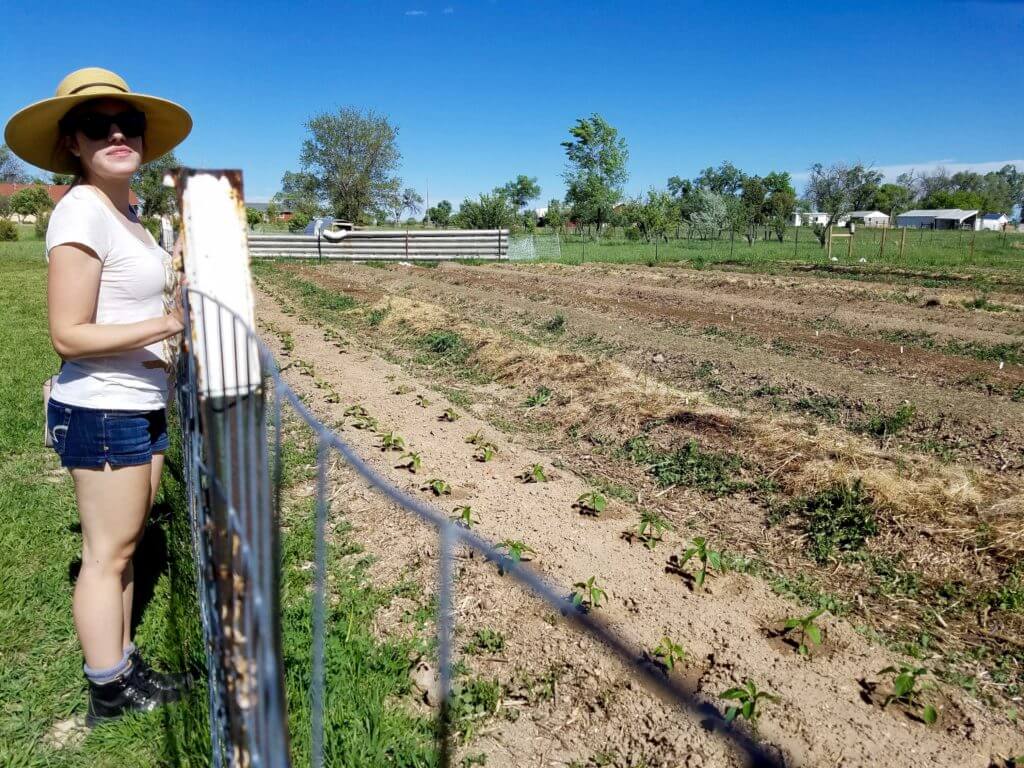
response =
{"points": [[848, 445]]}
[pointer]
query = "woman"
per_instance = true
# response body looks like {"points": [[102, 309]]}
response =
{"points": [[111, 327]]}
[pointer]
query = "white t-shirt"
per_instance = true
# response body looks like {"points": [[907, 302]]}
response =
{"points": [[133, 280]]}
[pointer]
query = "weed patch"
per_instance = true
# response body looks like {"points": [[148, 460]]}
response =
{"points": [[839, 519], [688, 466]]}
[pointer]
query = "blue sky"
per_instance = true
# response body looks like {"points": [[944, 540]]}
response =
{"points": [[482, 91]]}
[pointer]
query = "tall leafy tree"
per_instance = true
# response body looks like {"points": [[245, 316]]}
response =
{"points": [[11, 169], [352, 158], [521, 190], [494, 211], [61, 178], [893, 198], [726, 179], [412, 201], [155, 199], [709, 215], [440, 215], [595, 169], [651, 216], [31, 201], [299, 193]]}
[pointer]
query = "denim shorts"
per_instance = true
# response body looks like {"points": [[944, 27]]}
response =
{"points": [[93, 437]]}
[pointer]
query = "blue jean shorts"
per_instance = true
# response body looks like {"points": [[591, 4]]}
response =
{"points": [[92, 437]]}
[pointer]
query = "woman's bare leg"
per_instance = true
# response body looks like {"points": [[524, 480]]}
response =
{"points": [[112, 505], [128, 580]]}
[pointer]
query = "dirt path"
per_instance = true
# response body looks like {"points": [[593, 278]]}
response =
{"points": [[822, 718]]}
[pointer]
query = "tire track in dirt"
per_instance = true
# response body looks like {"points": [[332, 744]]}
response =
{"points": [[823, 720]]}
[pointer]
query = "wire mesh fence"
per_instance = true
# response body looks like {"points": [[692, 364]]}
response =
{"points": [[231, 397]]}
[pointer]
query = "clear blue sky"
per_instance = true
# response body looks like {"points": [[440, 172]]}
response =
{"points": [[482, 91]]}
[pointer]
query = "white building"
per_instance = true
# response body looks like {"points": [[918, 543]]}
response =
{"points": [[867, 218], [994, 221], [801, 218], [939, 218]]}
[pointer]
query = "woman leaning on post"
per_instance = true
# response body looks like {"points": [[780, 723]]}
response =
{"points": [[115, 316]]}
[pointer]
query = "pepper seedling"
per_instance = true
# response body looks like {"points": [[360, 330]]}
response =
{"points": [[591, 503], [485, 452], [356, 411], [392, 441], [669, 653], [410, 461], [449, 414], [906, 692], [651, 528], [707, 558], [746, 697], [533, 474], [810, 633], [422, 401], [588, 594], [464, 516], [542, 396], [437, 486]]}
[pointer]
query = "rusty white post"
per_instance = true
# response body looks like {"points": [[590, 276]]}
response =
{"points": [[239, 536]]}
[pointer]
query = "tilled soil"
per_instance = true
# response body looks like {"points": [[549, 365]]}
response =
{"points": [[564, 700]]}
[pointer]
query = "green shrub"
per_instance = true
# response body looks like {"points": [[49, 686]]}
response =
{"points": [[298, 222], [42, 222], [8, 231]]}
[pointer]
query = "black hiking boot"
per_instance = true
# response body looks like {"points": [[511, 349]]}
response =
{"points": [[130, 692], [169, 682]]}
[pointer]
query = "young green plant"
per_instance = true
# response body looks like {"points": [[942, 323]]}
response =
{"points": [[810, 632], [533, 474], [591, 503], [652, 527], [587, 594], [669, 653], [746, 698], [410, 460], [707, 558], [906, 691], [464, 516]]}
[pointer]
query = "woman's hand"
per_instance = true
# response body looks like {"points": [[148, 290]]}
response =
{"points": [[176, 312]]}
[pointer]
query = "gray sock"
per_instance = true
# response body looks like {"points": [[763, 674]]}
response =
{"points": [[103, 676]]}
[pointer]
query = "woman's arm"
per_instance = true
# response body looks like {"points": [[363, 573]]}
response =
{"points": [[73, 290]]}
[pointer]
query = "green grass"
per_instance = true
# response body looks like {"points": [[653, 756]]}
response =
{"points": [[923, 249]]}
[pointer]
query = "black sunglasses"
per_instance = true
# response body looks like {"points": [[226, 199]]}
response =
{"points": [[96, 125]]}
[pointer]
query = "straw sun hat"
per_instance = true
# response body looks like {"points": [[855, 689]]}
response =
{"points": [[33, 133]]}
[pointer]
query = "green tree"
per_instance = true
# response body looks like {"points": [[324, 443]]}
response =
{"points": [[272, 211], [441, 214], [5, 206], [755, 202], [651, 216], [11, 169], [595, 170], [781, 201], [253, 217], [494, 211], [148, 183], [1015, 184], [299, 193], [837, 188], [521, 190], [62, 178], [554, 216], [352, 158], [31, 201], [726, 179], [893, 199]]}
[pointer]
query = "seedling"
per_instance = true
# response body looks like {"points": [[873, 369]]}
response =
{"points": [[651, 528], [401, 389], [449, 415], [464, 516], [746, 697], [477, 438], [810, 633], [485, 452], [391, 441], [365, 422], [591, 503], [486, 641], [906, 691], [422, 401], [356, 411], [533, 474], [588, 594], [437, 486], [669, 653], [410, 461], [517, 550], [707, 557], [539, 398]]}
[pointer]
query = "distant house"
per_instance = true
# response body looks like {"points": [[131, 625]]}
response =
{"points": [[802, 218], [867, 218], [55, 191], [994, 221], [284, 209], [939, 218]]}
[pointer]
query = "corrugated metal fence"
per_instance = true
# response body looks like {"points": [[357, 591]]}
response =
{"points": [[397, 245]]}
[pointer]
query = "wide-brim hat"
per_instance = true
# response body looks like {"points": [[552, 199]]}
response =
{"points": [[33, 134]]}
